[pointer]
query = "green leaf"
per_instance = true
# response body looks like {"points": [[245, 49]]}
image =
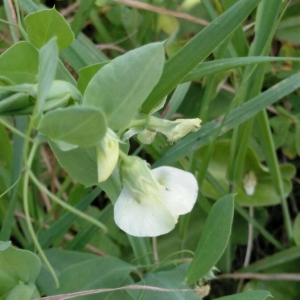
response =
{"points": [[240, 114], [87, 73], [21, 291], [59, 260], [17, 266], [297, 134], [20, 63], [45, 24], [115, 273], [4, 245], [61, 226], [83, 271], [221, 65], [282, 257], [198, 49], [288, 30], [296, 230], [172, 279], [82, 126], [255, 295], [120, 87], [85, 168], [81, 15], [213, 240], [48, 59]]}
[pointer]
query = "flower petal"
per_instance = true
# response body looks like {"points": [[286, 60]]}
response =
{"points": [[148, 217], [179, 189]]}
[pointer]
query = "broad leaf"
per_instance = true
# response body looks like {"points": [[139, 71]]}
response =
{"points": [[82, 126], [79, 271], [85, 168], [20, 63], [18, 270], [169, 280], [121, 86], [213, 240], [45, 24]]}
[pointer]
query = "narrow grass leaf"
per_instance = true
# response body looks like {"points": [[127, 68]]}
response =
{"points": [[282, 257], [62, 225], [237, 116], [198, 49], [221, 65]]}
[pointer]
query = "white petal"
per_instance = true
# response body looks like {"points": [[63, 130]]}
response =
{"points": [[179, 189], [145, 218]]}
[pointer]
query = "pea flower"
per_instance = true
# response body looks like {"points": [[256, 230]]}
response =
{"points": [[152, 200], [107, 152]]}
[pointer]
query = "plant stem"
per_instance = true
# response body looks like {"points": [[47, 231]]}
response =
{"points": [[65, 205], [28, 164]]}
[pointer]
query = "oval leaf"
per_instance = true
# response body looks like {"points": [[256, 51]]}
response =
{"points": [[17, 266], [121, 86], [20, 63], [213, 240], [45, 24], [85, 168], [82, 126]]}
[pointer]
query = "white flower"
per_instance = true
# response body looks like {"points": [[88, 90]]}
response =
{"points": [[151, 201], [107, 152]]}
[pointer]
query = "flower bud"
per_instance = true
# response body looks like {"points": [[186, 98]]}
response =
{"points": [[249, 182], [107, 152], [133, 167], [173, 130]]}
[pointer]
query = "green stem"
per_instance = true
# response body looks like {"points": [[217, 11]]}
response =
{"points": [[28, 163], [65, 205], [14, 130]]}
